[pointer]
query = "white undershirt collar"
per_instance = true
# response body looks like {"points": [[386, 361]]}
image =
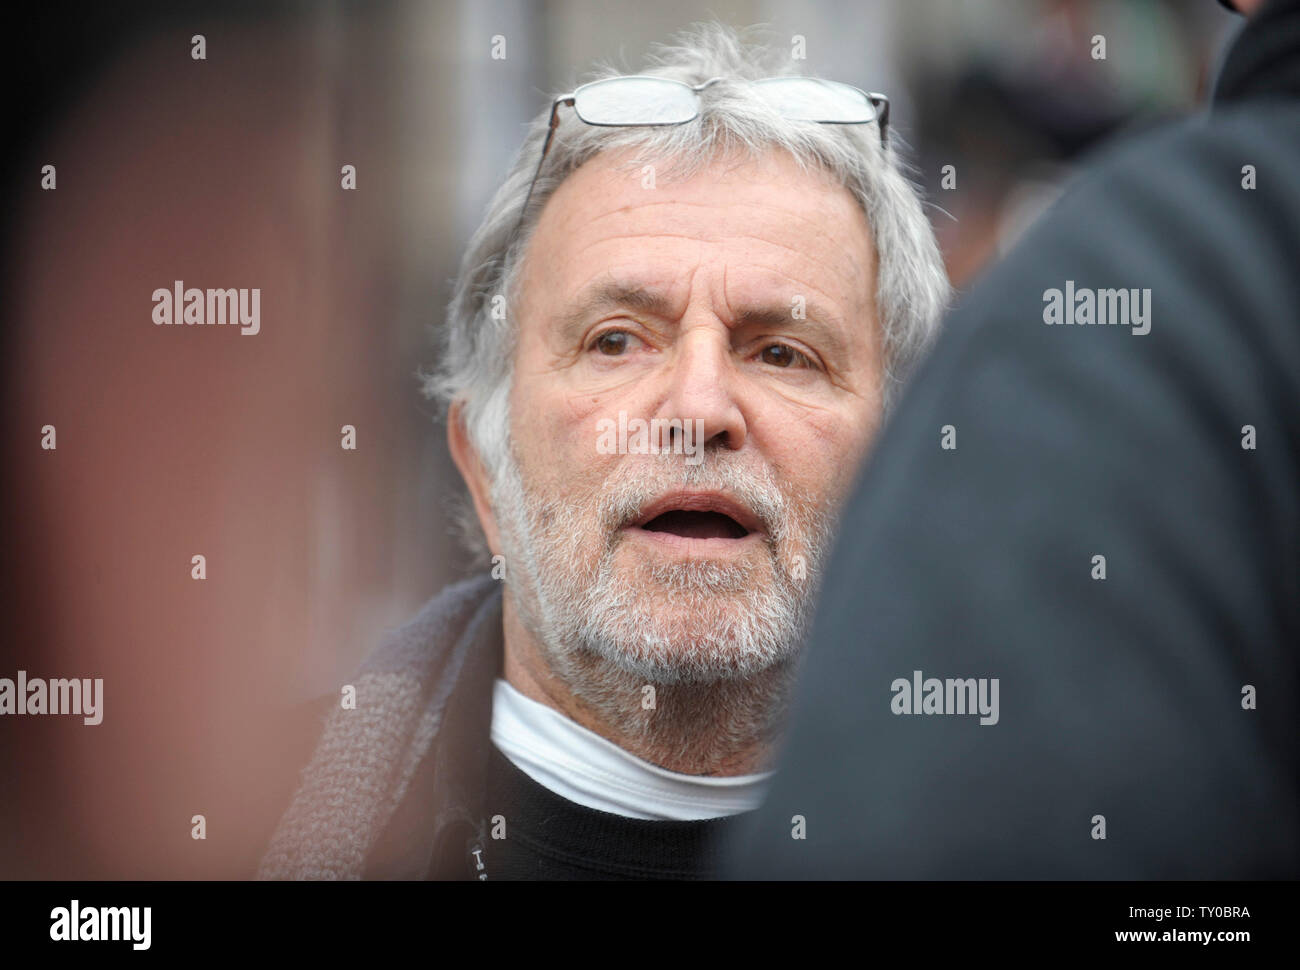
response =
{"points": [[586, 768]]}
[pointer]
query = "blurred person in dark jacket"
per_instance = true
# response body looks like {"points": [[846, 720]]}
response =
{"points": [[1058, 637]]}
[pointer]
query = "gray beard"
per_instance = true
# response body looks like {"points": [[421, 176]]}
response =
{"points": [[683, 664]]}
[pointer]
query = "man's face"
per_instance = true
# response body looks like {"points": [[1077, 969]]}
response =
{"points": [[739, 303]]}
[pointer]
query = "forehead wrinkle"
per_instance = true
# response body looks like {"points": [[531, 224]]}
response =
{"points": [[846, 277], [750, 310], [836, 311], [802, 285], [783, 210], [629, 280], [638, 235]]}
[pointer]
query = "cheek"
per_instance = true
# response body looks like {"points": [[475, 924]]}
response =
{"points": [[528, 428], [819, 451], [557, 434]]}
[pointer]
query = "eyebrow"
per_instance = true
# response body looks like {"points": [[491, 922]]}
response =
{"points": [[827, 325], [611, 295]]}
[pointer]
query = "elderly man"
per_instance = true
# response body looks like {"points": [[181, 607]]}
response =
{"points": [[671, 342]]}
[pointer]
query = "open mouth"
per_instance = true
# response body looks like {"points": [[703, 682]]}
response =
{"points": [[697, 525], [697, 516]]}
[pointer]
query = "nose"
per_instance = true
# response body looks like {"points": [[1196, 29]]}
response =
{"points": [[703, 385]]}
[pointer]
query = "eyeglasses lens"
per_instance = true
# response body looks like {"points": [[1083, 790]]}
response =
{"points": [[635, 101], [811, 99]]}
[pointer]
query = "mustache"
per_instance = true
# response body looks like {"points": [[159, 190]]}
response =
{"points": [[635, 486]]}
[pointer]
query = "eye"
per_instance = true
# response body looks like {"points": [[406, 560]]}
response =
{"points": [[612, 343], [783, 355]]}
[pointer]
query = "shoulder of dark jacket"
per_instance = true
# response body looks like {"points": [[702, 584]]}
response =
{"points": [[1264, 59]]}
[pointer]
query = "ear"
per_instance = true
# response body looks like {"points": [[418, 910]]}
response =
{"points": [[471, 468]]}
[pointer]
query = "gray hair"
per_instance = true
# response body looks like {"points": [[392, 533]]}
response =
{"points": [[477, 347]]}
